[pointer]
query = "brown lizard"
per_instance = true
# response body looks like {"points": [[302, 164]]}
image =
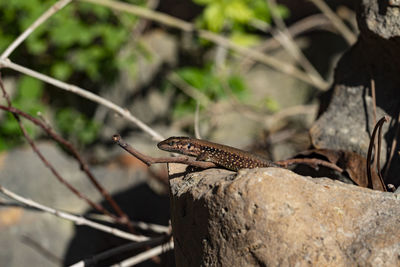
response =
{"points": [[229, 157]]}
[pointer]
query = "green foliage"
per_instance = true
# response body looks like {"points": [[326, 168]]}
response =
{"points": [[28, 99], [208, 83], [81, 40], [81, 43], [81, 36], [236, 16], [76, 126], [236, 19], [271, 104]]}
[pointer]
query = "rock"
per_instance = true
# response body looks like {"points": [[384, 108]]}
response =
{"points": [[348, 122], [272, 216], [379, 18]]}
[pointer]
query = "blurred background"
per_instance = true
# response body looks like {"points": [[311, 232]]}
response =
{"points": [[169, 78]]}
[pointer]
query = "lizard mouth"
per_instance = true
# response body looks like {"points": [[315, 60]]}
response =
{"points": [[163, 146]]}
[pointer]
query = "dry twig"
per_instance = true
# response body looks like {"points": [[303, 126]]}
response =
{"points": [[17, 113], [50, 12], [79, 220], [348, 35], [313, 22], [188, 89], [284, 37], [311, 162], [146, 255], [94, 260], [277, 64], [378, 126], [84, 93], [155, 228], [197, 122], [83, 166]]}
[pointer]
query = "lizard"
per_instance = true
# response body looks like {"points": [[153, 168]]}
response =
{"points": [[226, 156]]}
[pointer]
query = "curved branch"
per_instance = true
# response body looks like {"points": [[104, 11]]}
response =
{"points": [[84, 93], [170, 21], [50, 12]]}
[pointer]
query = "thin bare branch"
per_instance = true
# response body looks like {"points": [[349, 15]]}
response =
{"points": [[378, 163], [272, 62], [146, 255], [155, 228], [196, 121], [311, 162], [277, 64], [348, 35], [188, 89], [16, 114], [123, 217], [84, 93], [83, 166], [374, 111], [371, 146], [94, 260], [79, 220], [283, 35], [52, 10], [313, 22], [348, 15], [373, 95]]}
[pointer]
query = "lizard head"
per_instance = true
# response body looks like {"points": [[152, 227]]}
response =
{"points": [[182, 145]]}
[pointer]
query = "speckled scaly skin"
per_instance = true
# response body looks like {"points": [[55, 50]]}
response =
{"points": [[229, 157]]}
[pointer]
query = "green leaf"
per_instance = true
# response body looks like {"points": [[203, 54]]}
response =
{"points": [[282, 11], [271, 104], [261, 10], [214, 17], [238, 11], [88, 60], [29, 88], [244, 39], [75, 124], [36, 46], [3, 144], [101, 12], [192, 76], [203, 2], [61, 70], [238, 86], [89, 134], [10, 126], [70, 31]]}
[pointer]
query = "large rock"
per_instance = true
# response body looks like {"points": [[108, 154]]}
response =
{"points": [[270, 217]]}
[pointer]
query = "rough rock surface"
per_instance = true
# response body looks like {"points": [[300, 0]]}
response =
{"points": [[272, 216], [348, 121]]}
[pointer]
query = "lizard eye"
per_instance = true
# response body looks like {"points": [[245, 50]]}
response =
{"points": [[189, 146], [171, 143]]}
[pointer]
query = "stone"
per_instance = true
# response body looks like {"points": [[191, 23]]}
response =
{"points": [[347, 122], [272, 216]]}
